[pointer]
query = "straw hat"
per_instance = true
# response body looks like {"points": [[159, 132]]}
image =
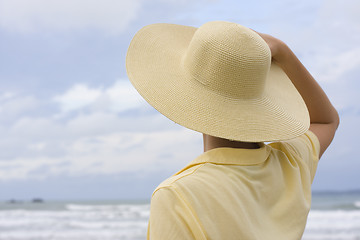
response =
{"points": [[217, 79]]}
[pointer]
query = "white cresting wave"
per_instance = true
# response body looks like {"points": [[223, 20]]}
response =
{"points": [[333, 225], [130, 221], [76, 222]]}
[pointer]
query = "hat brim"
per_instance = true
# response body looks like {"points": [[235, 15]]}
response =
{"points": [[154, 66]]}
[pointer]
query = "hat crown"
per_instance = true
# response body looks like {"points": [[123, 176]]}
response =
{"points": [[230, 59]]}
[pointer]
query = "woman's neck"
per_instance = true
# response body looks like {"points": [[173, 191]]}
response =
{"points": [[211, 142]]}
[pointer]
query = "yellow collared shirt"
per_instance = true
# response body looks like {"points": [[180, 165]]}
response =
{"points": [[228, 193]]}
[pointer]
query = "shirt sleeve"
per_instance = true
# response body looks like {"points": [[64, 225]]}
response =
{"points": [[307, 146], [172, 218]]}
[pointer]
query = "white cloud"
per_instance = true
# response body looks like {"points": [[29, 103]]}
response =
{"points": [[123, 96], [328, 41], [101, 141], [95, 141], [112, 16], [12, 105], [77, 97], [132, 152], [112, 153], [341, 12], [117, 98], [335, 36], [6, 95], [333, 65]]}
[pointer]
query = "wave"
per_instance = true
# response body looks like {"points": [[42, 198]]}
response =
{"points": [[334, 224], [76, 222], [129, 221], [124, 211], [99, 207]]}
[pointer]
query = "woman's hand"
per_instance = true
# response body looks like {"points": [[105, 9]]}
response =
{"points": [[277, 47]]}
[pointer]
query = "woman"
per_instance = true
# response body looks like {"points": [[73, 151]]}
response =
{"points": [[240, 89]]}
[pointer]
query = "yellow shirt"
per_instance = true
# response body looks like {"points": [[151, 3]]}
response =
{"points": [[229, 193]]}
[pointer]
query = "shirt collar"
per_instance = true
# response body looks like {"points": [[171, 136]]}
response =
{"points": [[232, 156]]}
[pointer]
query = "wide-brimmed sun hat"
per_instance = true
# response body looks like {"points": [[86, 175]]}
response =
{"points": [[217, 79]]}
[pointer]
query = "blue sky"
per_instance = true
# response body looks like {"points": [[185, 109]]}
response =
{"points": [[74, 128]]}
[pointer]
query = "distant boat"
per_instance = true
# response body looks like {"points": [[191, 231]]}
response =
{"points": [[37, 200], [14, 201]]}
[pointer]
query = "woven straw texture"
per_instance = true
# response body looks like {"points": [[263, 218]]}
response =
{"points": [[217, 79]]}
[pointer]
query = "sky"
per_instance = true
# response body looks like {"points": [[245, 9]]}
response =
{"points": [[73, 127]]}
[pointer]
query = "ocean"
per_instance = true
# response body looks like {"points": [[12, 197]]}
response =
{"points": [[334, 216]]}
